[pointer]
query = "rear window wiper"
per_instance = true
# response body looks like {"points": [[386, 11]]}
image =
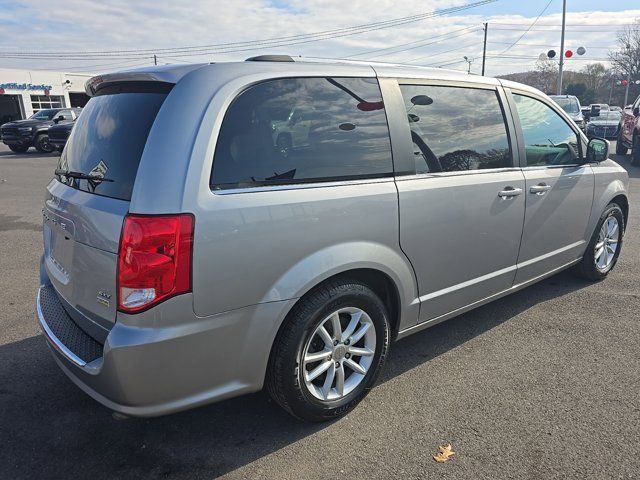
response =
{"points": [[82, 176]]}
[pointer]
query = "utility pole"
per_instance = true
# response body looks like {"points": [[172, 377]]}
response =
{"points": [[626, 90], [564, 18], [484, 48], [613, 80], [155, 59]]}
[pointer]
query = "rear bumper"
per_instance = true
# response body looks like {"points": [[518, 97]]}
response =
{"points": [[143, 371]]}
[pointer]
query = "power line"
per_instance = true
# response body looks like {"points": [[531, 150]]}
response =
{"points": [[409, 43], [442, 52], [555, 30], [546, 45], [248, 45], [572, 24], [424, 44], [528, 28]]}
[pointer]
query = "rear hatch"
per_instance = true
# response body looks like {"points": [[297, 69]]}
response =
{"points": [[88, 198]]}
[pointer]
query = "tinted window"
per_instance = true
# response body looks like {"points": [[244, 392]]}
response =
{"points": [[456, 129], [65, 114], [107, 140], [303, 130], [568, 104], [548, 139], [44, 115]]}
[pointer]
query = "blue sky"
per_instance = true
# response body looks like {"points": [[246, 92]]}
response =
{"points": [[83, 25]]}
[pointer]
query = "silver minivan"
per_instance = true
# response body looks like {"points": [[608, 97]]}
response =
{"points": [[189, 258]]}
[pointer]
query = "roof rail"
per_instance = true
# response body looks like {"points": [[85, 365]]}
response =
{"points": [[270, 58]]}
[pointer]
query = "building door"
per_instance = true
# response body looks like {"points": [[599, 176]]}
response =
{"points": [[10, 108], [78, 99]]}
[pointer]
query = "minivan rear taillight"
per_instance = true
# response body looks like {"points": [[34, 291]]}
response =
{"points": [[154, 260]]}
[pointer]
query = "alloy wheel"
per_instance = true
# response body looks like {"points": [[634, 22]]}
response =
{"points": [[338, 354], [607, 244]]}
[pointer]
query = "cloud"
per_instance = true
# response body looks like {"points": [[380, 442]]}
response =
{"points": [[81, 25]]}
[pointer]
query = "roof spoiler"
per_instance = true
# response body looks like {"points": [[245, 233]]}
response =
{"points": [[94, 84], [168, 75]]}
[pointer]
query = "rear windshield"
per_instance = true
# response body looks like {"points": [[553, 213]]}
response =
{"points": [[569, 105], [107, 142]]}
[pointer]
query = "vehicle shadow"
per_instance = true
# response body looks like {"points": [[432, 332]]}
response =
{"points": [[49, 425], [31, 154]]}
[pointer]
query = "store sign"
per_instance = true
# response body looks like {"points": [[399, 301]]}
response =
{"points": [[25, 86]]}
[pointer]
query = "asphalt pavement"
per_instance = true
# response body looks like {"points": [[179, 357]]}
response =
{"points": [[542, 384]]}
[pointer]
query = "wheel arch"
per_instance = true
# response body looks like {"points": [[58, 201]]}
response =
{"points": [[622, 201], [385, 270], [380, 282]]}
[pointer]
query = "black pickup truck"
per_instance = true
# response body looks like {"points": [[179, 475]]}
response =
{"points": [[19, 135]]}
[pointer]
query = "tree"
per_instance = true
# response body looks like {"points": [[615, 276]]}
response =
{"points": [[577, 89], [546, 75], [627, 58], [595, 76]]}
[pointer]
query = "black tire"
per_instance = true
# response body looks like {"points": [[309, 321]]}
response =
{"points": [[587, 268], [284, 145], [42, 144], [635, 151], [285, 381], [620, 148], [19, 148]]}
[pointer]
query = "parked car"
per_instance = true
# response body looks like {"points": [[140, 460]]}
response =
{"points": [[293, 132], [59, 134], [186, 263], [629, 132], [19, 135], [605, 125], [571, 105]]}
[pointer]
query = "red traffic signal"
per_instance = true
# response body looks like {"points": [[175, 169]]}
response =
{"points": [[623, 83], [568, 54]]}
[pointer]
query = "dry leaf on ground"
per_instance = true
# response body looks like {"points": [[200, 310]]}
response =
{"points": [[444, 453]]}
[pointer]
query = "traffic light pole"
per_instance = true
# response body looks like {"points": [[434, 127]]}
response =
{"points": [[484, 49], [564, 18]]}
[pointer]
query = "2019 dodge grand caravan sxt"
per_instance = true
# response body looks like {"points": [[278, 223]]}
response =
{"points": [[187, 262], [19, 135]]}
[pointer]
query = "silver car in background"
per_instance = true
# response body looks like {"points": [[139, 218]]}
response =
{"points": [[189, 257], [571, 105]]}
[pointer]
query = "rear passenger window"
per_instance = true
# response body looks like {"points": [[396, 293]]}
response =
{"points": [[298, 130], [454, 129]]}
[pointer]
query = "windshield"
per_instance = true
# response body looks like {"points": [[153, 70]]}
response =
{"points": [[607, 116], [569, 105], [44, 114]]}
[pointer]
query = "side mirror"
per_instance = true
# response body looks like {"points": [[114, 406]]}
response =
{"points": [[58, 119], [636, 111], [597, 150]]}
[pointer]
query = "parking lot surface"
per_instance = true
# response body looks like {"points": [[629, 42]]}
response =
{"points": [[542, 384]]}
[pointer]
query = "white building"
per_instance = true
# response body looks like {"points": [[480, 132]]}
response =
{"points": [[24, 92]]}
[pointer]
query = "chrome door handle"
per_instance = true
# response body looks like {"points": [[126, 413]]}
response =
{"points": [[540, 189], [509, 192]]}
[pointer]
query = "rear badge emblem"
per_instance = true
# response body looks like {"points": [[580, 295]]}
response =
{"points": [[103, 298], [99, 170]]}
